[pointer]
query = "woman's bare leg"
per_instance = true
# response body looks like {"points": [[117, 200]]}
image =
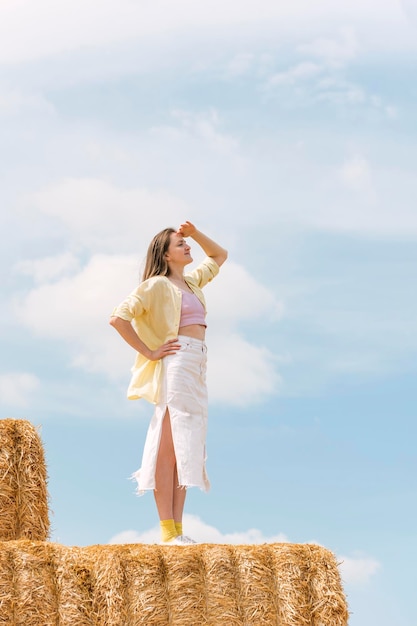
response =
{"points": [[178, 498], [165, 472]]}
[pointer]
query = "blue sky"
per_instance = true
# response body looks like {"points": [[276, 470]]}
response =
{"points": [[287, 133]]}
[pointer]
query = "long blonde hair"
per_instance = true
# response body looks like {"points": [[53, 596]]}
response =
{"points": [[156, 263]]}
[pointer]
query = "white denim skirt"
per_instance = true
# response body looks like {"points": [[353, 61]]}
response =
{"points": [[183, 392]]}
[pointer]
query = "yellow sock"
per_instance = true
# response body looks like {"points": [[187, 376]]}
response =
{"points": [[168, 530], [178, 528]]}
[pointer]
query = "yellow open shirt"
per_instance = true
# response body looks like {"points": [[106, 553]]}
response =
{"points": [[154, 309]]}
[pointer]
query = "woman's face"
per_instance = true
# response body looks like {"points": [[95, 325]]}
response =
{"points": [[178, 252]]}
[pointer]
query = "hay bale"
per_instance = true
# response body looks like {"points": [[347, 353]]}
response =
{"points": [[31, 599], [91, 585], [73, 567], [222, 585], [257, 590], [23, 482], [147, 588], [291, 565], [185, 583], [109, 585], [44, 584], [327, 600], [6, 586]]}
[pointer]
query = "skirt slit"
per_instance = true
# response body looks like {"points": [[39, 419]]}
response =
{"points": [[183, 393]]}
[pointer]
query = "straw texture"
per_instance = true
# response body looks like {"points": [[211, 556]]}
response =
{"points": [[23, 482], [46, 584]]}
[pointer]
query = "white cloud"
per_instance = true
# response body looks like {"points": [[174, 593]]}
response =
{"points": [[73, 306], [17, 388], [356, 174], [13, 101], [240, 64], [35, 30], [49, 268], [239, 372], [320, 77], [410, 10], [333, 51], [204, 128], [201, 532], [315, 84], [338, 91], [358, 570], [358, 196], [300, 72], [107, 218], [97, 152], [75, 309], [240, 297]]}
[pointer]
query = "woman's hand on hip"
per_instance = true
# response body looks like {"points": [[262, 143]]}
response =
{"points": [[169, 347]]}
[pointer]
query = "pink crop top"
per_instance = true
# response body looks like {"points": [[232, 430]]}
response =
{"points": [[192, 311]]}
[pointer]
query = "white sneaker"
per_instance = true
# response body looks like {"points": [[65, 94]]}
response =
{"points": [[186, 539], [181, 540]]}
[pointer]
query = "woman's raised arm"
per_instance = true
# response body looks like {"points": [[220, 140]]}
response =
{"points": [[210, 247]]}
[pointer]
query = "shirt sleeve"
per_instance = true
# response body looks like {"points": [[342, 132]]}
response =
{"points": [[134, 305], [204, 273]]}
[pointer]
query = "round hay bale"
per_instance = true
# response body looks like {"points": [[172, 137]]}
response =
{"points": [[23, 482]]}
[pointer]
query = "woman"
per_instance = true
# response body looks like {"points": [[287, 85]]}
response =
{"points": [[164, 321]]}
